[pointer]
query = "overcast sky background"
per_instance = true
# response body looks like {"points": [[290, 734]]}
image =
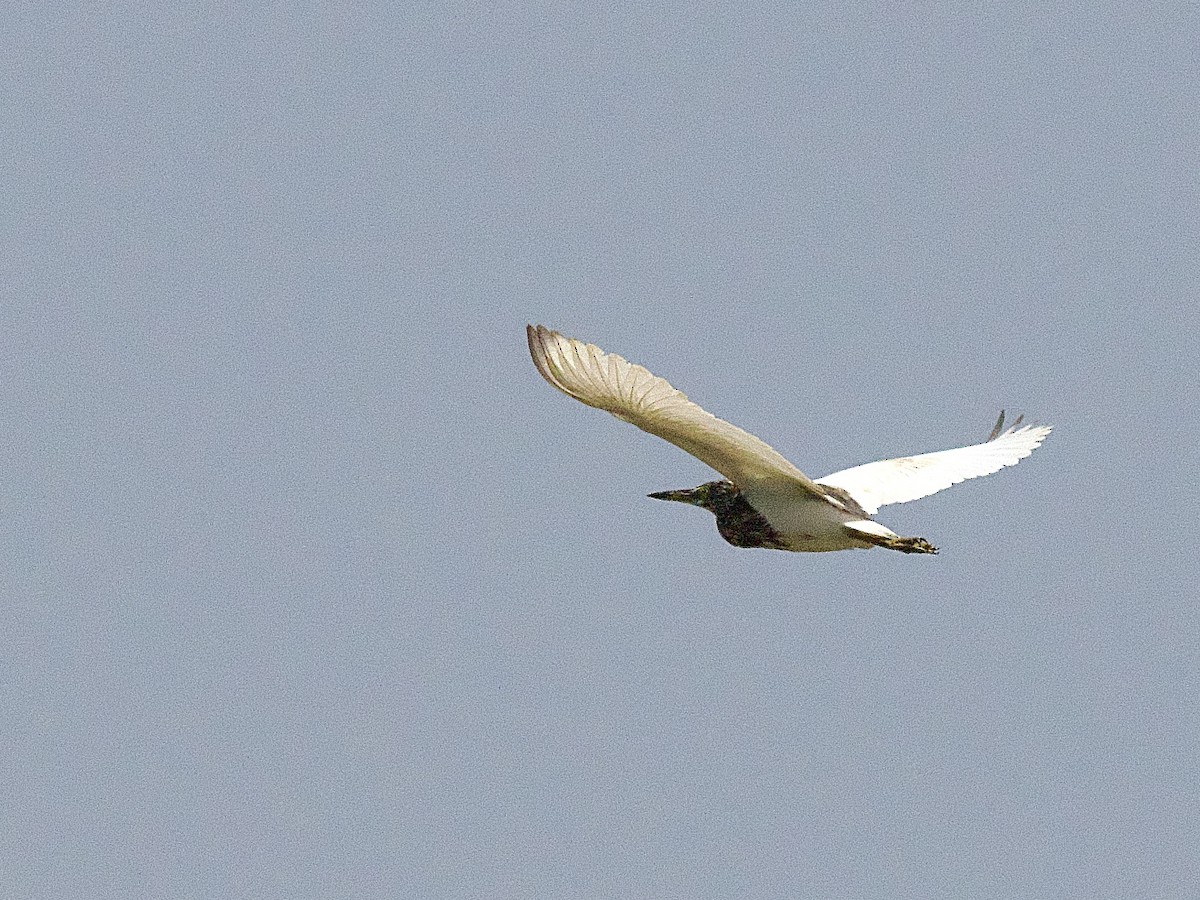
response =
{"points": [[312, 588]]}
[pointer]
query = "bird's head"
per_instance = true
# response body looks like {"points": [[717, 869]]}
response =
{"points": [[711, 495]]}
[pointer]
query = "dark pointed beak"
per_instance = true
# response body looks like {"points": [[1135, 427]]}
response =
{"points": [[685, 496]]}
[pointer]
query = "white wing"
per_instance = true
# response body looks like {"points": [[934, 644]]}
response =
{"points": [[912, 477], [630, 392]]}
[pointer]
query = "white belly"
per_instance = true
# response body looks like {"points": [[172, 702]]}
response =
{"points": [[805, 523]]}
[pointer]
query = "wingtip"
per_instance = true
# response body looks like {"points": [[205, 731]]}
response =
{"points": [[999, 431], [546, 347], [997, 427], [536, 336]]}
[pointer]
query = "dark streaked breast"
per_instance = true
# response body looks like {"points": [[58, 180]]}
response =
{"points": [[739, 522]]}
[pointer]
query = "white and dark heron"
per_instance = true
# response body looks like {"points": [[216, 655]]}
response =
{"points": [[764, 500]]}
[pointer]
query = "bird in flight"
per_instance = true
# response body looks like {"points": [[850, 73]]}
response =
{"points": [[764, 500]]}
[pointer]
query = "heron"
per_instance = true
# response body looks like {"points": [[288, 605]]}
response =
{"points": [[763, 500]]}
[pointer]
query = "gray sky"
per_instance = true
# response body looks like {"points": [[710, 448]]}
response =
{"points": [[313, 588]]}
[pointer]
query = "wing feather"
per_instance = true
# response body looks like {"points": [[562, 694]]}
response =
{"points": [[631, 392], [911, 477]]}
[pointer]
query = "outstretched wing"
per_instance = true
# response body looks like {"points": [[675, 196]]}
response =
{"points": [[912, 477], [630, 392]]}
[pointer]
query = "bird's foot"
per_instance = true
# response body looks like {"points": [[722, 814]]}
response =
{"points": [[911, 545]]}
